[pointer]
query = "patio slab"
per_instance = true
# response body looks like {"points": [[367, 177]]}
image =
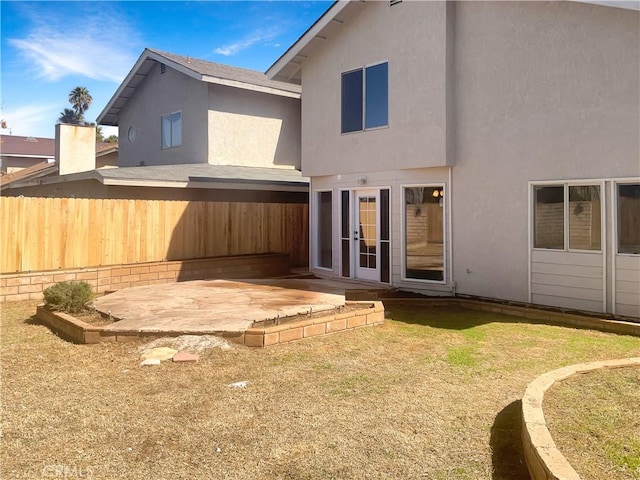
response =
{"points": [[216, 306]]}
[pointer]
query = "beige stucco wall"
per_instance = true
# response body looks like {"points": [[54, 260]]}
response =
{"points": [[411, 37], [75, 148], [395, 181], [253, 128], [544, 91], [159, 95], [523, 91]]}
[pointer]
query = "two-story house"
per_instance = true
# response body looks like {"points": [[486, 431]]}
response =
{"points": [[481, 148], [190, 129]]}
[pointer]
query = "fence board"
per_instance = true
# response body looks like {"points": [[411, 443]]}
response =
{"points": [[52, 233]]}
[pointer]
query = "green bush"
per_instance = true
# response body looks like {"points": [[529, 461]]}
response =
{"points": [[69, 297]]}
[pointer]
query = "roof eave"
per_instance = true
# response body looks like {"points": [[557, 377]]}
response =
{"points": [[251, 86], [306, 38]]}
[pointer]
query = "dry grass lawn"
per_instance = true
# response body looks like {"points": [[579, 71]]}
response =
{"points": [[594, 420], [431, 394]]}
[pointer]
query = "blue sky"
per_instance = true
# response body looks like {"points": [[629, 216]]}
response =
{"points": [[48, 48]]}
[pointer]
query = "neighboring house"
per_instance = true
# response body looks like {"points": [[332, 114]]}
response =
{"points": [[73, 150], [478, 148], [173, 182], [173, 110], [17, 153], [106, 155], [194, 130]]}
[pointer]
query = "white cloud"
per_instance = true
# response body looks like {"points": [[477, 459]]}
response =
{"points": [[31, 120], [90, 46], [261, 35]]}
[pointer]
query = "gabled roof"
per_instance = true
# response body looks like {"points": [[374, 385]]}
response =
{"points": [[287, 67], [33, 147], [200, 70]]}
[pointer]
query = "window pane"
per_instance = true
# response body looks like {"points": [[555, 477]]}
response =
{"points": [[584, 217], [176, 129], [629, 218], [166, 131], [549, 217], [325, 251], [352, 101], [384, 214], [377, 96], [345, 233], [424, 233]]}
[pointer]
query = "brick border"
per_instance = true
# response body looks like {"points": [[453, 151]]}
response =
{"points": [[544, 460], [30, 285], [371, 313], [530, 313]]}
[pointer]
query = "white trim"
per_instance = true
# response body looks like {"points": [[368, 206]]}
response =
{"points": [[363, 69], [17, 155], [366, 192], [403, 240], [306, 38], [450, 229], [530, 232], [603, 243], [249, 86], [614, 243]]}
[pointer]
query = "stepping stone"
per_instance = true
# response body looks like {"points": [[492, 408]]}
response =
{"points": [[160, 353], [150, 361], [186, 357]]}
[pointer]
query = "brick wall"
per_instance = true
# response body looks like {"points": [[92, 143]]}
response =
{"points": [[30, 285]]}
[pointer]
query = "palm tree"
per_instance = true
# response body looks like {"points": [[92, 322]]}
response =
{"points": [[81, 100], [68, 116]]}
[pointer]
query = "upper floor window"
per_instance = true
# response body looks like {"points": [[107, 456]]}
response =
{"points": [[629, 218], [172, 130], [365, 98]]}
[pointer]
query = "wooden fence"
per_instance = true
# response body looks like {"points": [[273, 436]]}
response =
{"points": [[53, 233]]}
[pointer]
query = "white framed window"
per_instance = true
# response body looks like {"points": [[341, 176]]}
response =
{"points": [[424, 237], [567, 217], [365, 98], [171, 129], [628, 218], [324, 229]]}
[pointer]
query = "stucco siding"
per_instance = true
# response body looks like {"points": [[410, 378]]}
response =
{"points": [[158, 95], [416, 135], [544, 91], [393, 180], [252, 128]]}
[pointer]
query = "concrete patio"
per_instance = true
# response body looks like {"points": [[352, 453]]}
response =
{"points": [[219, 306]]}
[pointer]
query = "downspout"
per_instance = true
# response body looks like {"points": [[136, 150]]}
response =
{"points": [[450, 230]]}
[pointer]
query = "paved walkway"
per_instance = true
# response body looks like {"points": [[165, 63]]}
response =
{"points": [[213, 306]]}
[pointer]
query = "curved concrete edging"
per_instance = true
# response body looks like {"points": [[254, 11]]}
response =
{"points": [[544, 460]]}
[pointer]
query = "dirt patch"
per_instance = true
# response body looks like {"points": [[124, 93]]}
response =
{"points": [[593, 419], [305, 316], [95, 318]]}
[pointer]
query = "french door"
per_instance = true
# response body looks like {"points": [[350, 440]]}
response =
{"points": [[366, 234]]}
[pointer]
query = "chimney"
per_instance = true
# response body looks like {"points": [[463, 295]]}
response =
{"points": [[75, 148]]}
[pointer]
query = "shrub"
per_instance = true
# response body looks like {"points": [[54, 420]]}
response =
{"points": [[69, 297]]}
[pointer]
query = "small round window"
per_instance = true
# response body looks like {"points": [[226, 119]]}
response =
{"points": [[131, 134]]}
